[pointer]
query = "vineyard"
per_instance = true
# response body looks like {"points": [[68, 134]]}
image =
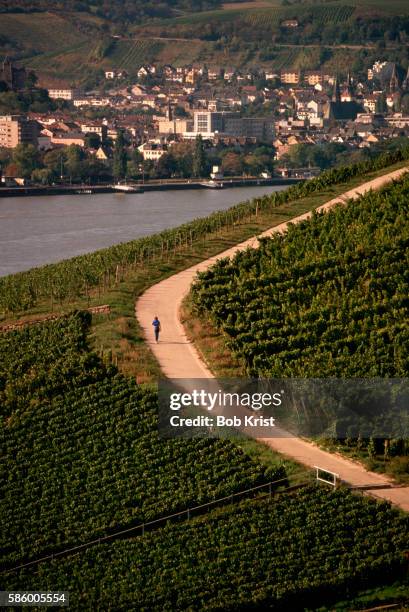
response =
{"points": [[81, 454], [330, 298], [286, 58], [327, 299], [73, 278], [296, 552], [131, 54], [321, 15]]}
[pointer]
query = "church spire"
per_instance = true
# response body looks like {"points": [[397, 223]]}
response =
{"points": [[394, 82], [336, 96]]}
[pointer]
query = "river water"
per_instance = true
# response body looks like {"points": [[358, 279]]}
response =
{"points": [[39, 230]]}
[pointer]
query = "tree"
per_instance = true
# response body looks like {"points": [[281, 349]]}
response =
{"points": [[232, 164], [199, 158], [120, 157], [92, 140], [55, 160], [43, 176], [166, 166], [253, 164], [26, 158], [74, 167]]}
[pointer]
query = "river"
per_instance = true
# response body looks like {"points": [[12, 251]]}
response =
{"points": [[39, 230]]}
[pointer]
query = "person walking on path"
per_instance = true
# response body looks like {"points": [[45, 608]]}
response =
{"points": [[156, 328]]}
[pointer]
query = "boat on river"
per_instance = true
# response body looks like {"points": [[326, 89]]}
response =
{"points": [[212, 184], [127, 188]]}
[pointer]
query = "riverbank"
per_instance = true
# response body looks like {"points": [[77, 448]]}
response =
{"points": [[155, 185]]}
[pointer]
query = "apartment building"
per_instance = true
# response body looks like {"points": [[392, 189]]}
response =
{"points": [[211, 124], [64, 94], [15, 130], [291, 77]]}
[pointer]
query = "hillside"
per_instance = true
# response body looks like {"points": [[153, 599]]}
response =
{"points": [[74, 42], [122, 11], [295, 552], [81, 454], [327, 299]]}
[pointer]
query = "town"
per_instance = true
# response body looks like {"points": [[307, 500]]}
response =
{"points": [[179, 122]]}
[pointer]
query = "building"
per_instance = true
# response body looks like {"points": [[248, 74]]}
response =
{"points": [[261, 129], [211, 124], [66, 139], [337, 110], [115, 74], [153, 151], [289, 23], [207, 123], [313, 77], [64, 94], [370, 101], [95, 128], [91, 102], [375, 70], [291, 77], [16, 129], [175, 126], [13, 77], [214, 73], [229, 73]]}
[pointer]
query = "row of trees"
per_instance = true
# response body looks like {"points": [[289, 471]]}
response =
{"points": [[66, 163]]}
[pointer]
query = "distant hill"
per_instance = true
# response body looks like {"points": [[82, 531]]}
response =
{"points": [[74, 41], [127, 11]]}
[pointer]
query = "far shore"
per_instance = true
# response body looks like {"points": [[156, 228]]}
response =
{"points": [[140, 187]]}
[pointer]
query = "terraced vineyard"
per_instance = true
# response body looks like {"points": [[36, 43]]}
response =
{"points": [[131, 54], [286, 58], [319, 14], [293, 553], [327, 299], [80, 449]]}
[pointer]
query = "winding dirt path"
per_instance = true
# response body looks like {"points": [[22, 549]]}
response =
{"points": [[178, 357]]}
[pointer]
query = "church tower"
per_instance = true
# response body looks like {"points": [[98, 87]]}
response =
{"points": [[394, 82], [336, 95]]}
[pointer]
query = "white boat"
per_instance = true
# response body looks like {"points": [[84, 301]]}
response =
{"points": [[127, 188], [212, 184]]}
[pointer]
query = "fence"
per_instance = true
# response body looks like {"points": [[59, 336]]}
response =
{"points": [[155, 524]]}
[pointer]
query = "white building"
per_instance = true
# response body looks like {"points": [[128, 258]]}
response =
{"points": [[64, 94], [153, 151]]}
